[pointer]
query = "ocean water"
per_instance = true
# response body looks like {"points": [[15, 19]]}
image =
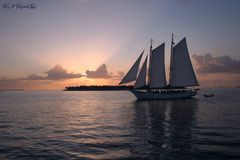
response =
{"points": [[113, 125]]}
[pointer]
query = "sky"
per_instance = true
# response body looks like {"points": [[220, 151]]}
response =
{"points": [[94, 42]]}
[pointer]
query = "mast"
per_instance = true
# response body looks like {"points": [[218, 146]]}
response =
{"points": [[171, 60], [172, 43], [150, 57]]}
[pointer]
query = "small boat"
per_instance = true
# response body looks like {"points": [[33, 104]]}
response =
{"points": [[208, 95], [150, 81]]}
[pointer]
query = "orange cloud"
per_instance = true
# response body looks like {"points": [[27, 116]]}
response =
{"points": [[100, 72]]}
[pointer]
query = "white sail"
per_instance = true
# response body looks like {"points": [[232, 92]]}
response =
{"points": [[141, 80], [181, 70], [132, 73], [157, 70]]}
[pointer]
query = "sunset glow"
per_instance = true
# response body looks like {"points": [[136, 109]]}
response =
{"points": [[83, 35]]}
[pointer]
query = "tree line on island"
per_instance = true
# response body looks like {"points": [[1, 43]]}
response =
{"points": [[97, 88]]}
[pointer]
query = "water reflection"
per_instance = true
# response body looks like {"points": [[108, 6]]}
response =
{"points": [[111, 125], [164, 127]]}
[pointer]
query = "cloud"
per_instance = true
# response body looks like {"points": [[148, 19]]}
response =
{"points": [[58, 72], [52, 80], [118, 76], [58, 77], [34, 77], [221, 64], [100, 72]]}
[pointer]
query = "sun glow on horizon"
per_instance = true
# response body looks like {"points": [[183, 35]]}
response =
{"points": [[83, 35]]}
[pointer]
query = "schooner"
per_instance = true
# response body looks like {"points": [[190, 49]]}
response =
{"points": [[150, 81]]}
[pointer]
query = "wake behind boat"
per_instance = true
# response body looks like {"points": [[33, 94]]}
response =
{"points": [[150, 82]]}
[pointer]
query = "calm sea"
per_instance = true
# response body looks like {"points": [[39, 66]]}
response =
{"points": [[113, 125]]}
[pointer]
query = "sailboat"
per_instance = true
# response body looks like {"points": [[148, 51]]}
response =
{"points": [[150, 81]]}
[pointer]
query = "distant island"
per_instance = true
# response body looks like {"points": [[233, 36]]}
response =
{"points": [[4, 90], [98, 88]]}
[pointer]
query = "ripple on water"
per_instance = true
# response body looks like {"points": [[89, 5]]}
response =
{"points": [[112, 125]]}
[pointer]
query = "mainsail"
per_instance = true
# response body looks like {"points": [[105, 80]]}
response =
{"points": [[141, 80], [157, 70], [132, 73], [181, 70]]}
